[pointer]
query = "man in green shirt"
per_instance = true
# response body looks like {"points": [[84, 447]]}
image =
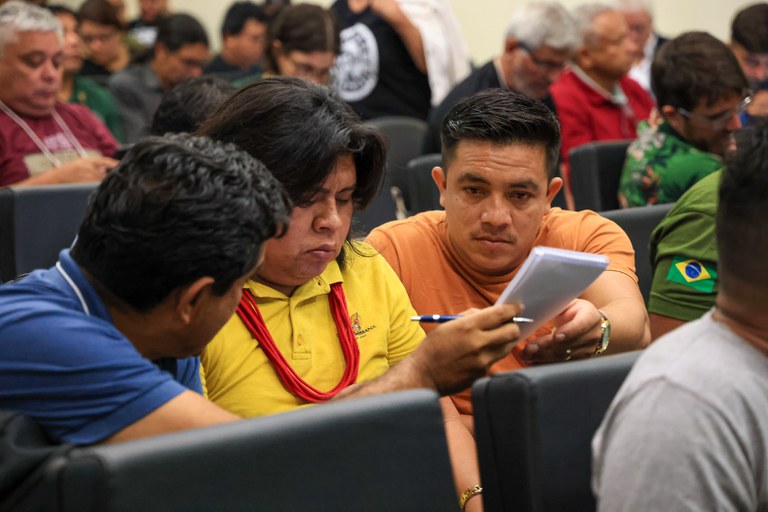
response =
{"points": [[684, 257], [701, 91]]}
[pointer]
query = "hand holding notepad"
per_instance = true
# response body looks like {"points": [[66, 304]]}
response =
{"points": [[548, 281]]}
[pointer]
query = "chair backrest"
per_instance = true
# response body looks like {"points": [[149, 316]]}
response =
{"points": [[420, 187], [534, 429], [380, 453], [639, 223], [405, 137], [595, 174], [38, 222]]}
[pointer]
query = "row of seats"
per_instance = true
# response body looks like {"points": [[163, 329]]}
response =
{"points": [[381, 453]]}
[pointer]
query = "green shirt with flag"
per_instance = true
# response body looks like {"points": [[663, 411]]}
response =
{"points": [[684, 255], [661, 166]]}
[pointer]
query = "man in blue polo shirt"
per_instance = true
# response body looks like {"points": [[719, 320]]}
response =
{"points": [[103, 346]]}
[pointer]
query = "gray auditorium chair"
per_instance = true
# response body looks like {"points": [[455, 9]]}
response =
{"points": [[38, 222], [639, 223], [420, 187], [534, 429], [376, 454], [404, 137], [595, 174]]}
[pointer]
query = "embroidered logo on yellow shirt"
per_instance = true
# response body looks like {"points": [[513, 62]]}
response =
{"points": [[357, 326], [692, 273]]}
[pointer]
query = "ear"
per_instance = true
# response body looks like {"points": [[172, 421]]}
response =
{"points": [[511, 44], [160, 50], [192, 297], [673, 117], [582, 57], [277, 45], [438, 176], [555, 184]]}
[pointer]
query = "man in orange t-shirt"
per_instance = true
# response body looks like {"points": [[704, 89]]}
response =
{"points": [[497, 182]]}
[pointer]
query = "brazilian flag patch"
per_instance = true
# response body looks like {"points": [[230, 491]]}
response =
{"points": [[692, 273]]}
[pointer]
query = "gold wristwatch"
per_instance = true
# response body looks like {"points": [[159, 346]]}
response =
{"points": [[605, 334]]}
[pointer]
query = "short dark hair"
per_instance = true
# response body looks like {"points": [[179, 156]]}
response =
{"points": [[178, 208], [188, 104], [57, 9], [695, 66], [299, 130], [742, 234], [502, 117], [750, 28], [101, 12], [177, 30], [304, 28], [239, 13]]}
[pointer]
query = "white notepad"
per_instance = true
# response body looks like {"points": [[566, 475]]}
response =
{"points": [[548, 281]]}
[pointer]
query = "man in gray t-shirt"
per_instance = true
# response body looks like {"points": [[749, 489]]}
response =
{"points": [[688, 430]]}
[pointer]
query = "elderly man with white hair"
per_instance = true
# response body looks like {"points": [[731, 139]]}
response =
{"points": [[595, 99], [539, 39], [43, 141], [639, 17]]}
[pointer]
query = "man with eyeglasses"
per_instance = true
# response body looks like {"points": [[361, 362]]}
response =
{"points": [[540, 36], [180, 52], [639, 17], [42, 140], [749, 42], [595, 99], [701, 91], [700, 88]]}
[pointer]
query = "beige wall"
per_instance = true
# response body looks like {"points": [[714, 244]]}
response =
{"points": [[483, 22]]}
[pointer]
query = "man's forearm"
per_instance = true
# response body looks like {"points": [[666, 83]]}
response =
{"points": [[630, 329]]}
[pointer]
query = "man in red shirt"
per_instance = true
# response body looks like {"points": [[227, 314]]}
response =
{"points": [[595, 99], [43, 141]]}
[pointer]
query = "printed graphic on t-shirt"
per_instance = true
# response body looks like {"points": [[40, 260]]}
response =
{"points": [[357, 68]]}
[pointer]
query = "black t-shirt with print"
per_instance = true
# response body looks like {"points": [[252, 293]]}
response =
{"points": [[375, 73]]}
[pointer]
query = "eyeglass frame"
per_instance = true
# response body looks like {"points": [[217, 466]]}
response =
{"points": [[719, 120], [544, 64], [303, 70]]}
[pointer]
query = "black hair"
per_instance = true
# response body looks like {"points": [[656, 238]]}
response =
{"points": [[742, 236], [177, 30], [695, 66], [57, 9], [502, 117], [188, 104], [101, 12], [750, 28], [178, 208], [238, 14], [299, 130], [304, 28]]}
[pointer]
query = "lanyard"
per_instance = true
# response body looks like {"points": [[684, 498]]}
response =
{"points": [[39, 143]]}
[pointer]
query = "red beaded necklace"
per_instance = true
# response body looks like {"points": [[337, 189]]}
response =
{"points": [[249, 313]]}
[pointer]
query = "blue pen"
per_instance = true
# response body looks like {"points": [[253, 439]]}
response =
{"points": [[439, 319]]}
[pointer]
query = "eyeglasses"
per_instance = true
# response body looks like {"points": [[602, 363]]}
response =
{"points": [[718, 121], [306, 71], [102, 38], [547, 65]]}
